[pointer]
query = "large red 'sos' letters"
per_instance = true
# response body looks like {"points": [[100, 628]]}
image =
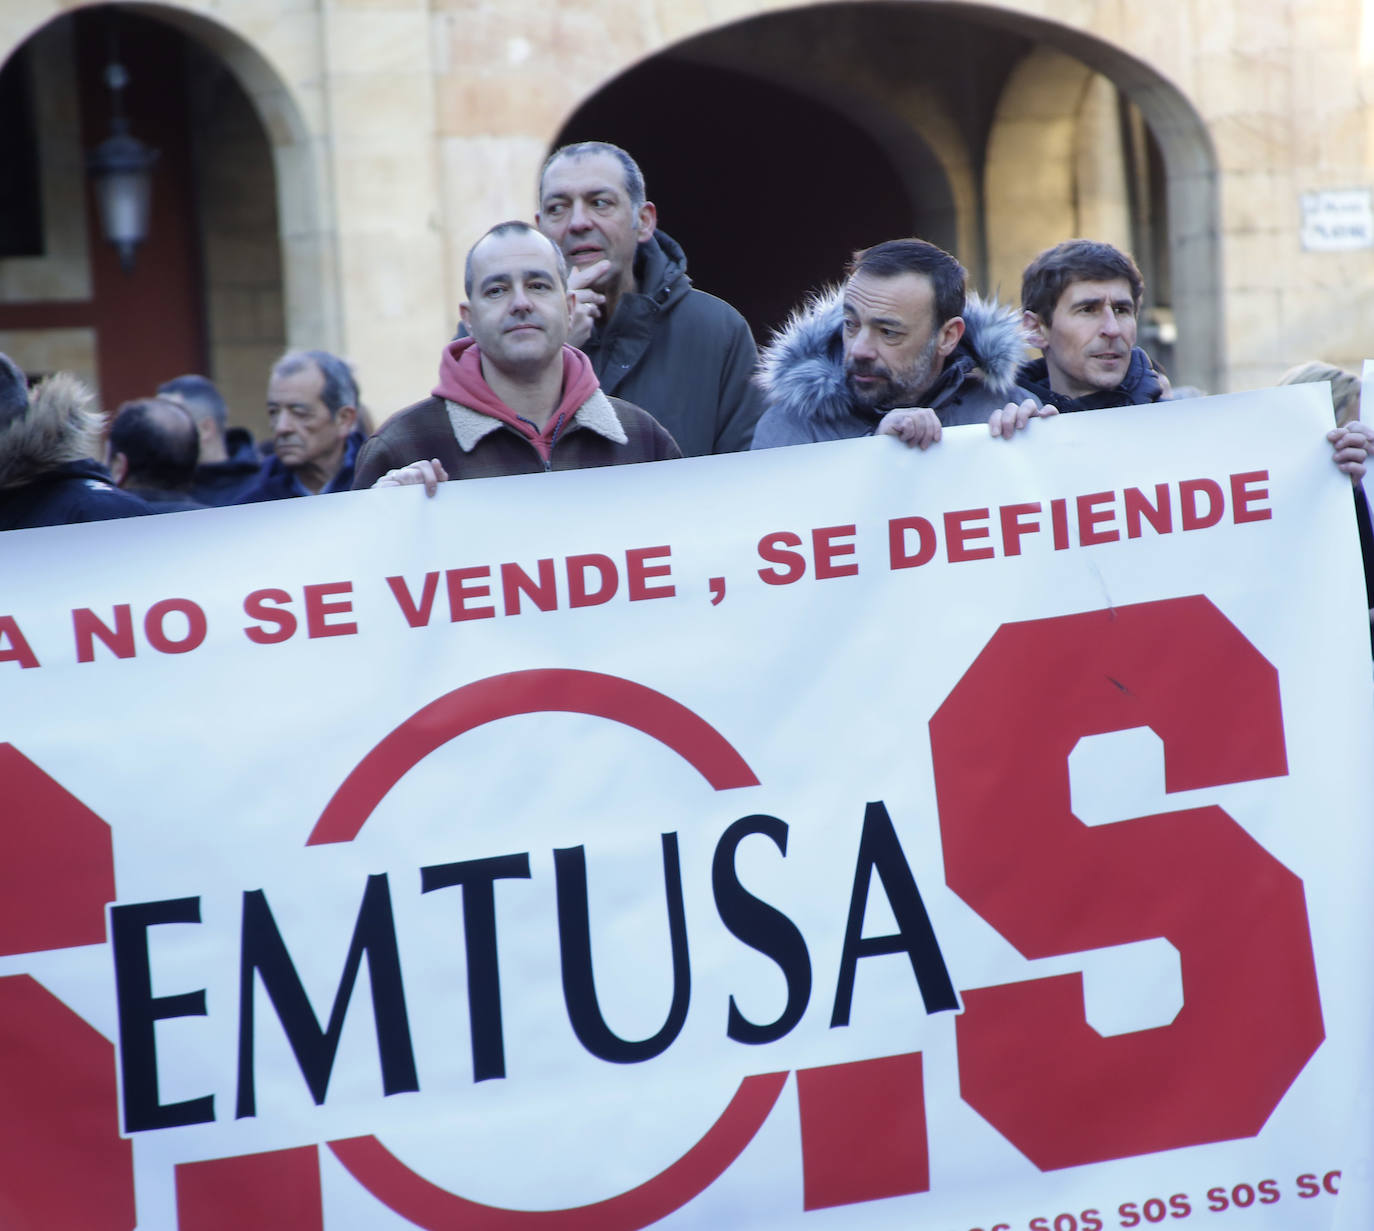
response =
{"points": [[1251, 1018], [279, 1191], [62, 1161]]}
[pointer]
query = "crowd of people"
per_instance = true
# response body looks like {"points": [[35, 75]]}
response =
{"points": [[583, 343]]}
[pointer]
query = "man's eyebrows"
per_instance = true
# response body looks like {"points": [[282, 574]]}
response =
{"points": [[1095, 302], [883, 322], [506, 276], [564, 194]]}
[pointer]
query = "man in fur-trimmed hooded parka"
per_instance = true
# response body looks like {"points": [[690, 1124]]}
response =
{"points": [[48, 476], [900, 349]]}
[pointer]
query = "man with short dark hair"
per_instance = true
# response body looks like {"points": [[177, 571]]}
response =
{"points": [[900, 349], [48, 472], [513, 397], [1080, 303], [312, 408], [229, 460], [685, 356], [152, 452]]}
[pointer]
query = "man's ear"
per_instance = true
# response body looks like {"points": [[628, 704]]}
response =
{"points": [[647, 221], [119, 468], [347, 417], [465, 315], [950, 333], [1035, 329]]}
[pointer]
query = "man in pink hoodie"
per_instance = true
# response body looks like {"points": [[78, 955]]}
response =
{"points": [[513, 397]]}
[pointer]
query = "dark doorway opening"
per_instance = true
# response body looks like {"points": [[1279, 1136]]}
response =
{"points": [[767, 190], [150, 319], [21, 194]]}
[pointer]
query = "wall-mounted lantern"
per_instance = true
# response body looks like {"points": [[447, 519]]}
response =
{"points": [[121, 168]]}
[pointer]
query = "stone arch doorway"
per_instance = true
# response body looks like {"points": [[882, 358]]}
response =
{"points": [[725, 179], [1088, 141], [918, 102], [209, 288]]}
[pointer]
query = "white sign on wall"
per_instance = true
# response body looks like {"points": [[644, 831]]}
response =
{"points": [[1337, 221]]}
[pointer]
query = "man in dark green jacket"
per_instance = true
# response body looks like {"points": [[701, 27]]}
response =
{"points": [[683, 355]]}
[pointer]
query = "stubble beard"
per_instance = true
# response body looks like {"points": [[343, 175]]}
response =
{"points": [[902, 388]]}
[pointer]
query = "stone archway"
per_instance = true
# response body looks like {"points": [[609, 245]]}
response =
{"points": [[234, 204], [756, 233], [304, 205], [1169, 174], [1071, 154], [1054, 164], [930, 91]]}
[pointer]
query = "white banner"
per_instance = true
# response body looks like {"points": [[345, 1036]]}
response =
{"points": [[833, 836]]}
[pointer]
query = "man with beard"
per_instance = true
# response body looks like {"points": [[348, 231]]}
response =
{"points": [[900, 349], [512, 397]]}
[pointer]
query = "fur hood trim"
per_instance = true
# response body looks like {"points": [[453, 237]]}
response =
{"points": [[61, 425], [802, 368]]}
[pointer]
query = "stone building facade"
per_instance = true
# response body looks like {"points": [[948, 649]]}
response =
{"points": [[325, 164]]}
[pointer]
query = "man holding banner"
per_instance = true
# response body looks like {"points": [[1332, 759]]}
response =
{"points": [[513, 397], [900, 350], [674, 902], [707, 895]]}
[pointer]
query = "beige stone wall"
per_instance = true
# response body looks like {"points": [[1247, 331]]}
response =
{"points": [[1041, 177], [239, 240], [44, 351], [402, 128], [1284, 89], [380, 109]]}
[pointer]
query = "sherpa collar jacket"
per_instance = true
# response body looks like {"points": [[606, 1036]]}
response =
{"points": [[801, 373]]}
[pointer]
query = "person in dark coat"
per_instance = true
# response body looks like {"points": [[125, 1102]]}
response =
{"points": [[683, 355], [229, 460], [900, 349], [48, 474], [152, 452], [513, 397], [312, 406], [1080, 301], [1080, 304]]}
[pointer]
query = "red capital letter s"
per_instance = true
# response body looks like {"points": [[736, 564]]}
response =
{"points": [[1251, 1018]]}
